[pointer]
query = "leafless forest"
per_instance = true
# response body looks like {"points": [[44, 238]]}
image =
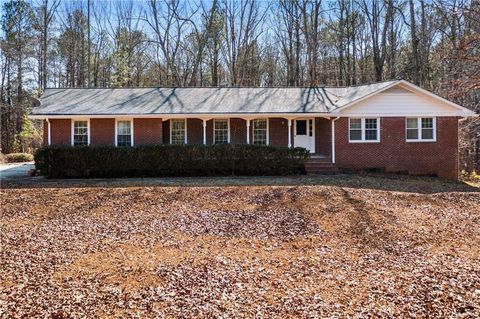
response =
{"points": [[63, 43]]}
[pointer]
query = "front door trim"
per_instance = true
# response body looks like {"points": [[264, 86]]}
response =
{"points": [[309, 144]]}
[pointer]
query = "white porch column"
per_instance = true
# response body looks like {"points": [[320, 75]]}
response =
{"points": [[49, 132], [248, 131], [186, 131], [204, 131], [289, 132], [333, 139]]}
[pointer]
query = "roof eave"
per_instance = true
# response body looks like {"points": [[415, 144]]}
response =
{"points": [[182, 115]]}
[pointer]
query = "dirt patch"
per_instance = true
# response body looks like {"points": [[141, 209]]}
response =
{"points": [[239, 251]]}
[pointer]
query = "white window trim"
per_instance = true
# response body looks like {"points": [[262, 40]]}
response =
{"points": [[268, 130], [73, 129], [186, 131], [228, 130], [419, 130], [363, 140], [132, 139]]}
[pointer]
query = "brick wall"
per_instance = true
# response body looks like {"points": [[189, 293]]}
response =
{"points": [[238, 131], [278, 130], [102, 131], [147, 131], [323, 136], [195, 131], [394, 154], [61, 130]]}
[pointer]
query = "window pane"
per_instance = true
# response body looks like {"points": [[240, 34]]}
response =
{"points": [[412, 134], [427, 133], [221, 124], [355, 135], [123, 127], [301, 127], [178, 131], [260, 132], [371, 129], [310, 127], [124, 140], [355, 123], [427, 122], [178, 124], [220, 131], [80, 124], [260, 124], [80, 140], [124, 133], [371, 123], [80, 133], [371, 135], [412, 123]]}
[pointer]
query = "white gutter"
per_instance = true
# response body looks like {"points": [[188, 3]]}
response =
{"points": [[243, 115], [333, 139], [176, 116]]}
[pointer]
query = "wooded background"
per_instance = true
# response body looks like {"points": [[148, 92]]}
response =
{"points": [[63, 43]]}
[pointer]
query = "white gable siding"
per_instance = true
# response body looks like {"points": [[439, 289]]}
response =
{"points": [[400, 102], [397, 90]]}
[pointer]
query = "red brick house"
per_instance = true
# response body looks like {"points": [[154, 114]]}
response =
{"points": [[393, 126]]}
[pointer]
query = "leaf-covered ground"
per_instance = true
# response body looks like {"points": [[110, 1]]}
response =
{"points": [[239, 251]]}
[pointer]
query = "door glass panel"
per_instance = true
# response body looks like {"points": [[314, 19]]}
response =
{"points": [[301, 127]]}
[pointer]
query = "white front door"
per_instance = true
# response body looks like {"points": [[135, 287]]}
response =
{"points": [[305, 134]]}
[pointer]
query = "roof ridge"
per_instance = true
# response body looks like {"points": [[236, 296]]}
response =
{"points": [[221, 87]]}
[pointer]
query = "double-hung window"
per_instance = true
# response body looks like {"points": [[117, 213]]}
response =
{"points": [[124, 133], [364, 130], [178, 131], [260, 132], [421, 129], [221, 134], [80, 133]]}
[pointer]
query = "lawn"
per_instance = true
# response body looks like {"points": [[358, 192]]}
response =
{"points": [[338, 247]]}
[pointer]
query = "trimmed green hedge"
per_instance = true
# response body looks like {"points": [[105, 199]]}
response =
{"points": [[169, 160]]}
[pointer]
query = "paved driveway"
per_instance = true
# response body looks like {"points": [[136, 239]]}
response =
{"points": [[15, 171]]}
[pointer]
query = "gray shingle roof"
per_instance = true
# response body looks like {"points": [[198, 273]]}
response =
{"points": [[145, 101]]}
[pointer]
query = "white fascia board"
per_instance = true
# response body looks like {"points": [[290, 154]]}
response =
{"points": [[181, 116], [248, 116]]}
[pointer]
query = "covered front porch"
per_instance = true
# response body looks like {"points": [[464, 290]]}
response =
{"points": [[311, 133]]}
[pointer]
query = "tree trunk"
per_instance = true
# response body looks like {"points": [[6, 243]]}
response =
{"points": [[414, 39]]}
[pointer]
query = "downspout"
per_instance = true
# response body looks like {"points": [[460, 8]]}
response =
{"points": [[333, 139]]}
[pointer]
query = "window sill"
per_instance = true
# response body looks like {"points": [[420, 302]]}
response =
{"points": [[364, 141], [421, 141]]}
